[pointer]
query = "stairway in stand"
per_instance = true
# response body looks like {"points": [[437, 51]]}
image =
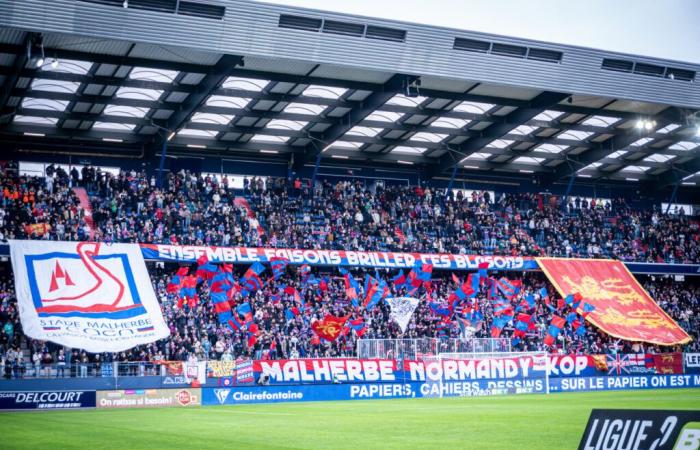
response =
{"points": [[82, 195]]}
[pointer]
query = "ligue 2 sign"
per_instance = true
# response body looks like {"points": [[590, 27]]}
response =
{"points": [[613, 429]]}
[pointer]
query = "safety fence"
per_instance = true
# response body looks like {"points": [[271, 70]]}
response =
{"points": [[419, 348], [265, 381]]}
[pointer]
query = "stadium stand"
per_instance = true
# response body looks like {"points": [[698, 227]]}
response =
{"points": [[346, 215], [192, 209]]}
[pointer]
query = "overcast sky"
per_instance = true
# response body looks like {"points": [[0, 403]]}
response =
{"points": [[662, 28]]}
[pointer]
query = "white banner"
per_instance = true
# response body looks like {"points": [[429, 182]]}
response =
{"points": [[402, 309], [93, 296], [692, 360]]}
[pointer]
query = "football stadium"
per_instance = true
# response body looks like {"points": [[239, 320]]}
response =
{"points": [[240, 224]]}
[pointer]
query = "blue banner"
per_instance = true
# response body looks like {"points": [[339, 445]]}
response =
{"points": [[623, 382], [368, 391], [47, 399], [346, 258], [242, 255]]}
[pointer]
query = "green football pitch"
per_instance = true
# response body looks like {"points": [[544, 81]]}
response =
{"points": [[540, 422]]}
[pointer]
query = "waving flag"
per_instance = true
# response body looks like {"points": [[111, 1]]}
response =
{"points": [[467, 289], [402, 309], [188, 291], [617, 297], [502, 308], [245, 311], [376, 291], [439, 309], [530, 300], [475, 318], [175, 282], [587, 309], [522, 324], [252, 334], [235, 324], [221, 282], [483, 267], [291, 313], [205, 269], [305, 271], [251, 279], [497, 326], [352, 288], [359, 326], [507, 287], [329, 328], [278, 265], [399, 280], [420, 275], [554, 329]]}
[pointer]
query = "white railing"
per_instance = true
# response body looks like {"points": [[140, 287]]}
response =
{"points": [[418, 348]]}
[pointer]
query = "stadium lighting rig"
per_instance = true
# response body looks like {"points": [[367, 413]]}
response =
{"points": [[645, 124]]}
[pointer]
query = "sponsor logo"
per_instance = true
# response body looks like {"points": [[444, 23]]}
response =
{"points": [[648, 429], [174, 380], [689, 437], [184, 397], [221, 395], [47, 399]]}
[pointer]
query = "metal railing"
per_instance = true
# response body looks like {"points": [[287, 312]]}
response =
{"points": [[418, 348], [81, 370]]}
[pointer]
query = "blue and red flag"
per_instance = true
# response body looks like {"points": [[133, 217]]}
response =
{"points": [[188, 291], [205, 269], [497, 326], [244, 310], [175, 282], [483, 268], [509, 288], [305, 271], [587, 309], [278, 265], [420, 275], [358, 325], [252, 334], [251, 279], [399, 279], [555, 327]]}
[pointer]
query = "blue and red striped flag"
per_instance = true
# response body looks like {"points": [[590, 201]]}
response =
{"points": [[251, 279], [278, 265], [555, 327]]}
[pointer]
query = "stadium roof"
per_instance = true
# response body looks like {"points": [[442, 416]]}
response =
{"points": [[235, 78]]}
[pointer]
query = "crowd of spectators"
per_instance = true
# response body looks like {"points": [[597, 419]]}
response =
{"points": [[345, 215], [196, 331]]}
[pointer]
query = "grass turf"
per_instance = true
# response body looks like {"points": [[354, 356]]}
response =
{"points": [[523, 422]]}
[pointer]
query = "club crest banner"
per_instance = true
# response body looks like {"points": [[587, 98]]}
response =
{"points": [[402, 309], [93, 296], [622, 307]]}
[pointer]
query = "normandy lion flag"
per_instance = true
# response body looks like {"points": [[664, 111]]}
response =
{"points": [[88, 295], [623, 308]]}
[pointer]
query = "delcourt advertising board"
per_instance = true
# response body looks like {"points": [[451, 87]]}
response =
{"points": [[47, 399]]}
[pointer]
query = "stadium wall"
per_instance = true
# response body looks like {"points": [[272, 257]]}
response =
{"points": [[382, 379]]}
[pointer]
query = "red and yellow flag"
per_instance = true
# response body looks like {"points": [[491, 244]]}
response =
{"points": [[623, 308], [330, 327]]}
